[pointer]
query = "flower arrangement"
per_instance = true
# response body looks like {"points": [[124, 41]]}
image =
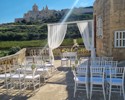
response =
{"points": [[73, 67], [76, 61], [33, 66]]}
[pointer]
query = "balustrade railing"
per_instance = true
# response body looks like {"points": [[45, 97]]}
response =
{"points": [[20, 55], [82, 52], [14, 58]]}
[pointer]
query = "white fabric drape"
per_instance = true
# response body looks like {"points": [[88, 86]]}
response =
{"points": [[56, 34], [87, 36], [84, 31]]}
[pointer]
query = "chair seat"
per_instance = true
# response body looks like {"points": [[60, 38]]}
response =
{"points": [[81, 71], [42, 69], [17, 76], [2, 76], [97, 80], [80, 79], [31, 76], [64, 59], [48, 65], [114, 81]]}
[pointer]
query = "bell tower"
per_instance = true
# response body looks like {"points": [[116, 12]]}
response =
{"points": [[35, 7]]}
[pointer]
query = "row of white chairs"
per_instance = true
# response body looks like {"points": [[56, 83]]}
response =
{"points": [[102, 59], [19, 76], [41, 61], [68, 56], [98, 77], [104, 63], [72, 58], [22, 75]]}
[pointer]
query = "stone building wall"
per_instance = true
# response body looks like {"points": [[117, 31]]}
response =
{"points": [[113, 16]]}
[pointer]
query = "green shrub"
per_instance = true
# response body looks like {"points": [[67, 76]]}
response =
{"points": [[13, 50]]}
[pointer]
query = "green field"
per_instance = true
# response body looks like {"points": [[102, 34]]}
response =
{"points": [[33, 43]]}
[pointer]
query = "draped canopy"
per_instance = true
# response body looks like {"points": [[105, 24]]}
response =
{"points": [[56, 34]]}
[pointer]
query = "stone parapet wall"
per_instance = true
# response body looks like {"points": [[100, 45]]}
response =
{"points": [[57, 52], [8, 61]]}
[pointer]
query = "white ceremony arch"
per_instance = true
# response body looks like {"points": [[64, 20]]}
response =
{"points": [[57, 31]]}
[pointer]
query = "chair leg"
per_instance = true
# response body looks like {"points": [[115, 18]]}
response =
{"points": [[91, 91], [61, 64], [33, 85], [67, 62], [104, 92], [87, 92], [39, 82], [120, 90], [110, 88], [75, 89], [123, 92]]}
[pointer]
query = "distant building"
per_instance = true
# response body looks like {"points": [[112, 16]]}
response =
{"points": [[35, 14], [109, 22], [38, 15]]}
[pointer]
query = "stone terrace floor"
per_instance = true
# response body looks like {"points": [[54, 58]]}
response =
{"points": [[59, 87]]}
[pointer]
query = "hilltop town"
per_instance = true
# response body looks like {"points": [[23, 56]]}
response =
{"points": [[41, 15]]}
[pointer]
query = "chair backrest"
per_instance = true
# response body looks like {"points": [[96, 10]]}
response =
{"points": [[102, 63], [97, 72], [95, 59], [107, 58], [111, 63], [28, 70], [117, 72], [95, 63], [72, 55], [64, 55], [28, 59], [69, 55], [84, 63], [83, 60], [83, 71], [38, 59]]}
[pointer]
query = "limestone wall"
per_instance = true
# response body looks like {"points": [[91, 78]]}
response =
{"points": [[113, 15]]}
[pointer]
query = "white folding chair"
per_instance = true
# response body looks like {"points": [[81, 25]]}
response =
{"points": [[73, 58], [31, 78], [5, 76], [97, 79], [64, 59], [17, 78], [116, 80], [81, 80]]}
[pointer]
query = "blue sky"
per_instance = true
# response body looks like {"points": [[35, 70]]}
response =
{"points": [[11, 9]]}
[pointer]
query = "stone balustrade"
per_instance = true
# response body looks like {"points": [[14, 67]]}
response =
{"points": [[57, 52], [20, 55], [17, 58]]}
